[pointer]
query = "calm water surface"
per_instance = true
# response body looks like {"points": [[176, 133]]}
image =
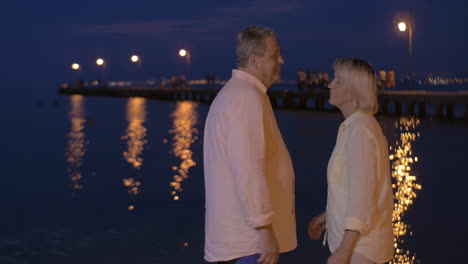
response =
{"points": [[106, 180]]}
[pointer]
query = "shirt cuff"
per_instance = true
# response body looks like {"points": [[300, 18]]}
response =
{"points": [[261, 220], [355, 224]]}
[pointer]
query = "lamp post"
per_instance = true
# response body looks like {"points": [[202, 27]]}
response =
{"points": [[137, 60], [185, 53], [402, 26], [77, 71], [101, 64]]}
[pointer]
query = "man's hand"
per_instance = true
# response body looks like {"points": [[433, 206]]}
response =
{"points": [[269, 252], [317, 226]]}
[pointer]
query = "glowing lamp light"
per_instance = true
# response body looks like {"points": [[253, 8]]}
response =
{"points": [[75, 66], [182, 53], [135, 58], [99, 62], [402, 26]]}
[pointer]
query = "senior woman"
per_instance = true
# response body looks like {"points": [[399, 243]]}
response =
{"points": [[358, 216]]}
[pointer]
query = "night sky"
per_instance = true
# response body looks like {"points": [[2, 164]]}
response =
{"points": [[40, 39]]}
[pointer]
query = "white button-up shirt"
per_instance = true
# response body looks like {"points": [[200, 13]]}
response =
{"points": [[249, 177], [360, 196]]}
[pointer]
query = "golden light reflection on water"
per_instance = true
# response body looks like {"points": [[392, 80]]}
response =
{"points": [[404, 184], [135, 136], [185, 133], [136, 132], [76, 142]]}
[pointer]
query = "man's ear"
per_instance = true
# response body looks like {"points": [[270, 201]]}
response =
{"points": [[253, 60]]}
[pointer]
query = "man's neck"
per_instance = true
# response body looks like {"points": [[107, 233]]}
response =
{"points": [[254, 74]]}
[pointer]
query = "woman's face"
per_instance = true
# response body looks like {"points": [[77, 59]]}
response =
{"points": [[340, 94]]}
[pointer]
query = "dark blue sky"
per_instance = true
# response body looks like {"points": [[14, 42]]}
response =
{"points": [[40, 39]]}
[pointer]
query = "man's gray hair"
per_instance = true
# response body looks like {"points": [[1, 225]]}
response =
{"points": [[251, 41]]}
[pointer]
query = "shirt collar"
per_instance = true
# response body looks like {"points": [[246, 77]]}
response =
{"points": [[250, 78], [348, 121]]}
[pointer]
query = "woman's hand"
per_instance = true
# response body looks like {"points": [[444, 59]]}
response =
{"points": [[339, 257], [317, 226], [344, 252]]}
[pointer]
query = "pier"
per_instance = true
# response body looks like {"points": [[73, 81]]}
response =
{"points": [[440, 105]]}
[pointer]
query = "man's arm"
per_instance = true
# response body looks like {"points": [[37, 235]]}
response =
{"points": [[268, 245], [245, 142], [246, 145]]}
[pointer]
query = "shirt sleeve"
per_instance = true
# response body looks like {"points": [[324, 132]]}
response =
{"points": [[361, 167], [246, 153]]}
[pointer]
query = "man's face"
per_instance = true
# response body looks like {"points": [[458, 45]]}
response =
{"points": [[269, 64]]}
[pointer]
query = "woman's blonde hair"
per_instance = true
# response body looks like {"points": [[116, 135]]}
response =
{"points": [[359, 77]]}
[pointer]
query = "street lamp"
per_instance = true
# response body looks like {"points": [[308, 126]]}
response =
{"points": [[101, 63], [136, 59], [76, 67], [77, 70], [185, 53], [402, 26]]}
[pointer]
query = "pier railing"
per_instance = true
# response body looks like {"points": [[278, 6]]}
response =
{"points": [[443, 105]]}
